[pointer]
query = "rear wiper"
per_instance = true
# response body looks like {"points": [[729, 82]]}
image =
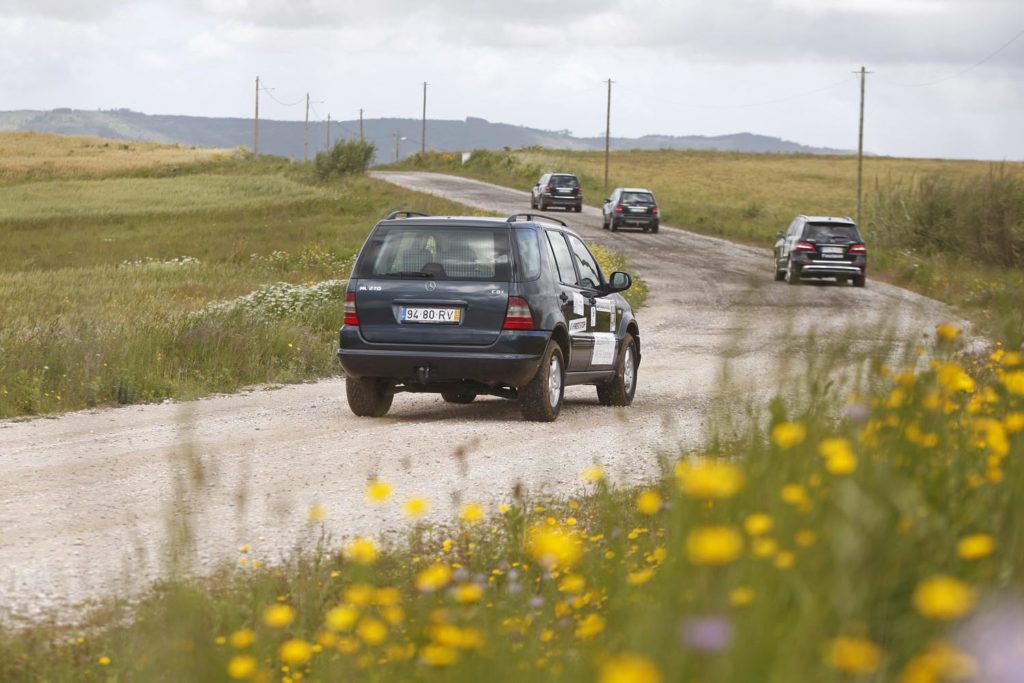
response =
{"points": [[407, 273]]}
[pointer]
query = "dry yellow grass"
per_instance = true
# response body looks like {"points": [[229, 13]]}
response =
{"points": [[33, 155]]}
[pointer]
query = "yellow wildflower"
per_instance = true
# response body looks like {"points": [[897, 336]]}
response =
{"points": [[707, 479], [103, 660], [758, 523], [279, 616], [1014, 382], [242, 666], [788, 434], [838, 454], [796, 495], [472, 513], [940, 662], [640, 577], [467, 593], [433, 578], [976, 546], [944, 598], [741, 595], [953, 378], [341, 618], [947, 332], [316, 513], [648, 502], [629, 668], [572, 583], [554, 546], [295, 652], [785, 559], [713, 545], [853, 655], [438, 655], [590, 626], [378, 491], [362, 550], [242, 638], [805, 538], [372, 631], [764, 547], [416, 507], [593, 474]]}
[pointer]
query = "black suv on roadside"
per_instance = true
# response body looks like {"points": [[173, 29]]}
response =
{"points": [[557, 189], [633, 206], [821, 247], [515, 307]]}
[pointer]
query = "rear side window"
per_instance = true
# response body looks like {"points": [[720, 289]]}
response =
{"points": [[825, 231], [443, 253], [564, 181], [590, 272], [563, 258], [529, 253]]}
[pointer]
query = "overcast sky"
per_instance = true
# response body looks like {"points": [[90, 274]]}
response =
{"points": [[680, 67]]}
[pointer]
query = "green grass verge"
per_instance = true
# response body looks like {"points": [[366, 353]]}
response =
{"points": [[807, 548]]}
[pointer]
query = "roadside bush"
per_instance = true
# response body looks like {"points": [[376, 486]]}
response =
{"points": [[980, 218], [347, 157]]}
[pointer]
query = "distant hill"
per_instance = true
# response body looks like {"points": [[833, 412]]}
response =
{"points": [[285, 138]]}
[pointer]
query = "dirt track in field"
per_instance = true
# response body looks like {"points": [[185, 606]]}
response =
{"points": [[85, 499]]}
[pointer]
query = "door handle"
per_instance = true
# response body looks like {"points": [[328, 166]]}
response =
{"points": [[563, 297]]}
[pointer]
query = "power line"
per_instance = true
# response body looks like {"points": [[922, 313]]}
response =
{"points": [[283, 104], [958, 73], [701, 105]]}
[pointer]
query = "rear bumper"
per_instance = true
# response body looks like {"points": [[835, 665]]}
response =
{"points": [[822, 268], [635, 221], [512, 360], [561, 200]]}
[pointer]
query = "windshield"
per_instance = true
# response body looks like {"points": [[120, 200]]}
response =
{"points": [[830, 231], [442, 253]]}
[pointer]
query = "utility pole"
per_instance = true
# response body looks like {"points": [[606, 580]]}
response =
{"points": [[361, 138], [327, 133], [256, 122], [607, 135], [305, 133], [860, 142], [394, 137], [423, 131]]}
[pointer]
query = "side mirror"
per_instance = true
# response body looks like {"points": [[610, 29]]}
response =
{"points": [[620, 282], [607, 199], [779, 235]]}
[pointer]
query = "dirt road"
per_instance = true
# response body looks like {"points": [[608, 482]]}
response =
{"points": [[85, 499]]}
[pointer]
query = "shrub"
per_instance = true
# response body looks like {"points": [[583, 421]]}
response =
{"points": [[347, 157]]}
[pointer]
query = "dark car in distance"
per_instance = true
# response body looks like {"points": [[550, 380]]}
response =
{"points": [[557, 189], [821, 247], [632, 206], [462, 307]]}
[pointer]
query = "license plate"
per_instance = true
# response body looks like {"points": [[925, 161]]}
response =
{"points": [[564, 190], [422, 314], [637, 209], [832, 252]]}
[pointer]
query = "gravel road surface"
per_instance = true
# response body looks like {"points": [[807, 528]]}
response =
{"points": [[86, 498]]}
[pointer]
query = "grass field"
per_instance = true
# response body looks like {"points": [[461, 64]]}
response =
{"points": [[882, 545], [748, 197]]}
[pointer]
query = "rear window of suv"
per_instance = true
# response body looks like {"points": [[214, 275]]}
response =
{"points": [[564, 181], [637, 198], [824, 231], [443, 253]]}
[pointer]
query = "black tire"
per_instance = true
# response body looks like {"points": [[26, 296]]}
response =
{"points": [[613, 225], [790, 277], [579, 208], [541, 205], [621, 389], [458, 397], [654, 229], [368, 396], [604, 222], [533, 202], [780, 274], [860, 280], [541, 399]]}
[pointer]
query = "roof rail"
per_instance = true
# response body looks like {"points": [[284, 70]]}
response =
{"points": [[534, 216], [404, 214]]}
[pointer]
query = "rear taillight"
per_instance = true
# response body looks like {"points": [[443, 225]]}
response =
{"points": [[858, 249], [654, 211], [618, 208], [547, 190], [351, 315], [518, 315], [804, 246]]}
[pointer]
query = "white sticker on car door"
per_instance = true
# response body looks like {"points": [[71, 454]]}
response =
{"points": [[593, 316], [577, 325], [604, 349], [577, 303]]}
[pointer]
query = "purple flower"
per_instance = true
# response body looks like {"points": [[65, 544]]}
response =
{"points": [[857, 412], [706, 634]]}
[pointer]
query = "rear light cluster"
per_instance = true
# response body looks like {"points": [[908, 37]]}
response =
{"points": [[654, 211], [619, 208], [351, 315], [858, 249], [804, 246], [518, 315]]}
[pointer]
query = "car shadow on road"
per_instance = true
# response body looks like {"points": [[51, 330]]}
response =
{"points": [[483, 409]]}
